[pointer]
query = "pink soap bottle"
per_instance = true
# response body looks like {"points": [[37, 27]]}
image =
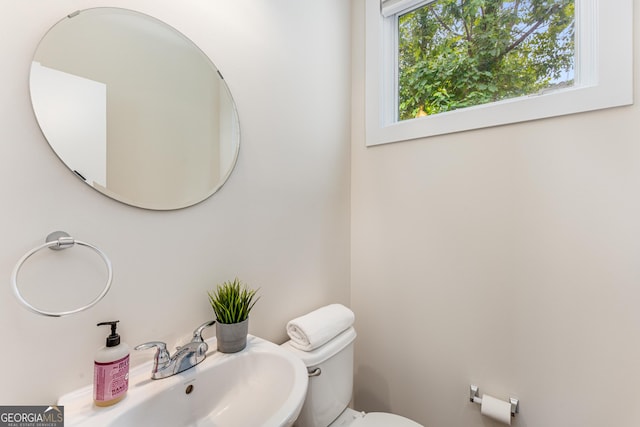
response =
{"points": [[111, 369]]}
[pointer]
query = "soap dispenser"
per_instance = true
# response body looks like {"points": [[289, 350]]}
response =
{"points": [[111, 369]]}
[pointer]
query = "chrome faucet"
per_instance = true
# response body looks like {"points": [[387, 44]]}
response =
{"points": [[185, 357]]}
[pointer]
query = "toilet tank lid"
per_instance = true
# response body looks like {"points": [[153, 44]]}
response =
{"points": [[317, 356]]}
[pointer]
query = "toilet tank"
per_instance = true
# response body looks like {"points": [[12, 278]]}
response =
{"points": [[329, 392]]}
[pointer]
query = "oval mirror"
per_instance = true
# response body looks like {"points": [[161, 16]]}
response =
{"points": [[134, 108]]}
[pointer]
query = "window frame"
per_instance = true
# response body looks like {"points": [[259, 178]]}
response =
{"points": [[603, 76]]}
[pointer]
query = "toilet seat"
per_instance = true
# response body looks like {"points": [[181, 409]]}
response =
{"points": [[351, 418], [383, 419]]}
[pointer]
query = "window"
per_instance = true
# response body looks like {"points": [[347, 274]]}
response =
{"points": [[455, 55], [445, 66]]}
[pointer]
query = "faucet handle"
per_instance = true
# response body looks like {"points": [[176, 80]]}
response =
{"points": [[197, 334], [161, 357], [151, 344]]}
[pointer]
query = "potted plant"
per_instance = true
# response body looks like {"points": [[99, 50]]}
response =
{"points": [[232, 302]]}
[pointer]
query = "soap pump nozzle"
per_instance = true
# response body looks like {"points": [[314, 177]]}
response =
{"points": [[113, 339]]}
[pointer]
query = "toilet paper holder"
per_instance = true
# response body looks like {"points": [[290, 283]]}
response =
{"points": [[474, 396]]}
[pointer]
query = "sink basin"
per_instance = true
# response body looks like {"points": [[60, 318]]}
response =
{"points": [[263, 385]]}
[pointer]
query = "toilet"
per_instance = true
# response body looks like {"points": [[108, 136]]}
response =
{"points": [[330, 368]]}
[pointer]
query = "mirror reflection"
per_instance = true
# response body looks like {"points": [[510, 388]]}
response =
{"points": [[134, 108]]}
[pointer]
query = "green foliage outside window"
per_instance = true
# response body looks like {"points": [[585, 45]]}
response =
{"points": [[460, 53]]}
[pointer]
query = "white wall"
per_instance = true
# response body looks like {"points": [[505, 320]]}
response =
{"points": [[505, 257], [280, 223], [68, 101]]}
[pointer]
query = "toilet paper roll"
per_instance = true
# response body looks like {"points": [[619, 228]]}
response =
{"points": [[496, 409]]}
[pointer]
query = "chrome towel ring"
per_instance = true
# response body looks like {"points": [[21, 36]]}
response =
{"points": [[59, 240]]}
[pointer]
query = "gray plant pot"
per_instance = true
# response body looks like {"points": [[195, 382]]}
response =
{"points": [[232, 337]]}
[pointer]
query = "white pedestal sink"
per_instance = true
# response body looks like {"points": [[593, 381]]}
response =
{"points": [[261, 386]]}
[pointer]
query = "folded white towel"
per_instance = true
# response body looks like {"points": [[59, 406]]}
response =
{"points": [[318, 327]]}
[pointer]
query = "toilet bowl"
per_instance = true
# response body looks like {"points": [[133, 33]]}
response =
{"points": [[351, 418], [330, 368]]}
